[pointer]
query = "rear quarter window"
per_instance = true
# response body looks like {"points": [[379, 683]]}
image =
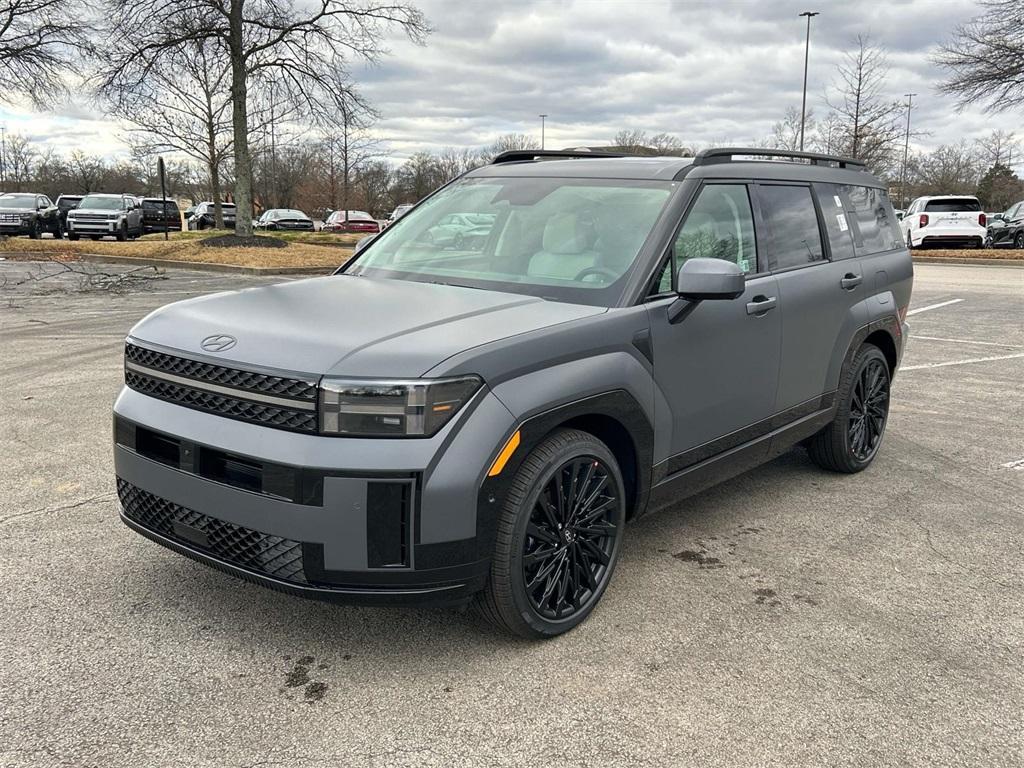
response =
{"points": [[793, 236], [876, 224]]}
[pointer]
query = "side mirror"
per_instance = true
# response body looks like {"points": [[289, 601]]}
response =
{"points": [[709, 280], [998, 217], [363, 243]]}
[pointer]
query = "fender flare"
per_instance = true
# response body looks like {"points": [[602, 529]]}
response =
{"points": [[617, 405]]}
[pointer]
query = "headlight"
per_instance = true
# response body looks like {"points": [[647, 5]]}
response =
{"points": [[408, 408]]}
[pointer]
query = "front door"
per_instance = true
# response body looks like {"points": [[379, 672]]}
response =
{"points": [[717, 369]]}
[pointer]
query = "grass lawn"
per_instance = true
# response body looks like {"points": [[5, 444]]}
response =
{"points": [[970, 253], [304, 249]]}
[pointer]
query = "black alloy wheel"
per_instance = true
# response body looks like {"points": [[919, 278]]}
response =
{"points": [[850, 442], [1018, 241], [558, 537], [869, 409], [33, 230], [570, 538]]}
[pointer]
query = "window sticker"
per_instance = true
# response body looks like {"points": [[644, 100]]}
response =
{"points": [[841, 218], [839, 203]]}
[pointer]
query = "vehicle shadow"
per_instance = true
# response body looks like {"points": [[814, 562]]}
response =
{"points": [[217, 604]]}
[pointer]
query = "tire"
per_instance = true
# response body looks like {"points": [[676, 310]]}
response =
{"points": [[1018, 241], [988, 242], [122, 232], [73, 236], [33, 230], [851, 442], [58, 231], [534, 534], [910, 242]]}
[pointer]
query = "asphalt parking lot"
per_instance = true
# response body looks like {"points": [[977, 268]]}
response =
{"points": [[789, 617]]}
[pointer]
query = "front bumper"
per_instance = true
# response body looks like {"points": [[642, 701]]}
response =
{"points": [[93, 226], [15, 228], [340, 519]]}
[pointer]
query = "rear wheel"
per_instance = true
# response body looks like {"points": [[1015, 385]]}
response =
{"points": [[910, 241], [850, 443], [558, 537]]}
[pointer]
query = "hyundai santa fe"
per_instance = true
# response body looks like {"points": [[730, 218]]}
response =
{"points": [[475, 420]]}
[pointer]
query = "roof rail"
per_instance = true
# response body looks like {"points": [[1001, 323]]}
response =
{"points": [[726, 154], [521, 155]]}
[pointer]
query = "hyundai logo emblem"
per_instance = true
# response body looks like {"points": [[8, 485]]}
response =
{"points": [[219, 342]]}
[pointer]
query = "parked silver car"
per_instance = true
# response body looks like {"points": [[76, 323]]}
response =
{"points": [[103, 215]]}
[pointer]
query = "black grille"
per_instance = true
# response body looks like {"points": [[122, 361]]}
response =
{"points": [[223, 405], [270, 555], [225, 377]]}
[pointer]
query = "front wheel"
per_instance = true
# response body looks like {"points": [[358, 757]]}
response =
{"points": [[122, 232], [558, 538], [1018, 241], [850, 443], [33, 230], [73, 235]]}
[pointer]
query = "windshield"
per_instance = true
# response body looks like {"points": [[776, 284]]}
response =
{"points": [[18, 201], [953, 205], [102, 203], [563, 239]]}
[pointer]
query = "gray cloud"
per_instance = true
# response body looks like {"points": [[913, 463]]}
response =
{"points": [[709, 72]]}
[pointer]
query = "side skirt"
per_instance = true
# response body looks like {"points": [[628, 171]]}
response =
{"points": [[701, 476]]}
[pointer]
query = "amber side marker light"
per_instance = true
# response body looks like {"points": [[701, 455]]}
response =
{"points": [[505, 455]]}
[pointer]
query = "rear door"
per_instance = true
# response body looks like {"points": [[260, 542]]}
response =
{"points": [[818, 295]]}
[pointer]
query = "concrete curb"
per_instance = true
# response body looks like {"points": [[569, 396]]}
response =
{"points": [[200, 266], [980, 262]]}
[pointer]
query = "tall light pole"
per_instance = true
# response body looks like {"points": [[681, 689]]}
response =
{"points": [[542, 119], [807, 55], [906, 150]]}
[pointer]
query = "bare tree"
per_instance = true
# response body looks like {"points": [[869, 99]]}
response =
{"points": [[985, 58], [182, 106], [638, 142], [348, 144], [299, 46], [949, 169], [452, 162], [507, 143], [786, 132], [19, 162], [86, 172], [870, 125], [38, 40], [999, 148]]}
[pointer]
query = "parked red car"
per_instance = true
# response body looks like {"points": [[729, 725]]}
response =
{"points": [[358, 221]]}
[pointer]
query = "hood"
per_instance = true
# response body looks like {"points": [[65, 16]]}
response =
{"points": [[104, 211], [350, 326]]}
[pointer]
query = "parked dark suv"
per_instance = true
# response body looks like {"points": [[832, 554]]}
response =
{"points": [[1007, 228], [28, 213], [160, 216], [478, 422], [64, 204]]}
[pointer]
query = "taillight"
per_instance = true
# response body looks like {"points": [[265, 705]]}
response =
{"points": [[982, 219], [923, 221]]}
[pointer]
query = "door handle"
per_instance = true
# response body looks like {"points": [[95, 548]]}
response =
{"points": [[760, 305], [851, 281]]}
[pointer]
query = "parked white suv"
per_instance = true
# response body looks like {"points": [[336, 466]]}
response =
{"points": [[956, 221]]}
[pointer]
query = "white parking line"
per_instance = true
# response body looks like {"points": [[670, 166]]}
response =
{"points": [[961, 362], [967, 341], [933, 306], [1018, 464]]}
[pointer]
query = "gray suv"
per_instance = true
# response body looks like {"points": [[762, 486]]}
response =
{"points": [[477, 420]]}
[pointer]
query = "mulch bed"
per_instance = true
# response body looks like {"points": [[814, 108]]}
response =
{"points": [[237, 241]]}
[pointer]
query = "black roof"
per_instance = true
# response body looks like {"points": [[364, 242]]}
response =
{"points": [[735, 163]]}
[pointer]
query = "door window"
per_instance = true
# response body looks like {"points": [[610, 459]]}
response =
{"points": [[837, 220], [720, 225], [793, 235]]}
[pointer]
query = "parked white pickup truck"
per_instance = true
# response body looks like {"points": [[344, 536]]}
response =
{"points": [[955, 221]]}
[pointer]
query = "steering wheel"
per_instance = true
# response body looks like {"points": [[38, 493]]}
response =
{"points": [[610, 274]]}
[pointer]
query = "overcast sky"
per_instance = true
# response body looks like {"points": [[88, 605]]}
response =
{"points": [[708, 72]]}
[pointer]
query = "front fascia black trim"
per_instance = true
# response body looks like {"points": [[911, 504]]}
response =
{"points": [[454, 592]]}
